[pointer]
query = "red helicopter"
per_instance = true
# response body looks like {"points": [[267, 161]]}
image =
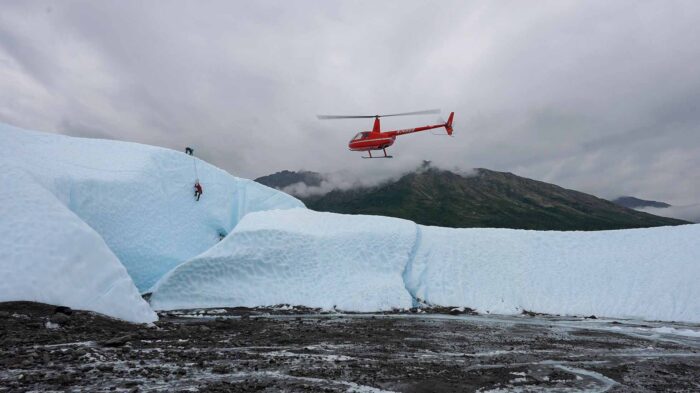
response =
{"points": [[378, 140]]}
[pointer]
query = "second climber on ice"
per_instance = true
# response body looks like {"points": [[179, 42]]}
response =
{"points": [[197, 189]]}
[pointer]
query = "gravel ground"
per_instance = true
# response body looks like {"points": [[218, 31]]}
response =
{"points": [[43, 348]]}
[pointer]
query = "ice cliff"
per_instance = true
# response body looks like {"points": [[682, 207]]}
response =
{"points": [[364, 263], [298, 257], [137, 200], [48, 254]]}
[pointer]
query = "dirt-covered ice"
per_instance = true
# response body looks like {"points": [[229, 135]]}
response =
{"points": [[290, 349]]}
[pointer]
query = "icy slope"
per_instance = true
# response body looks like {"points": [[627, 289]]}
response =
{"points": [[365, 263], [47, 254], [138, 198], [298, 256]]}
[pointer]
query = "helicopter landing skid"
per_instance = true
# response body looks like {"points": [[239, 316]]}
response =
{"points": [[384, 156]]}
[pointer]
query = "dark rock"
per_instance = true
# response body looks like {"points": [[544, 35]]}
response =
{"points": [[117, 341], [65, 379], [221, 369], [456, 311], [60, 318], [63, 310]]}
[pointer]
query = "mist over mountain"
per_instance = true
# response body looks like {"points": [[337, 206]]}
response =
{"points": [[283, 179], [481, 198]]}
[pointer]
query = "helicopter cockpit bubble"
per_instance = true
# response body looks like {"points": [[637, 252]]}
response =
{"points": [[360, 135]]}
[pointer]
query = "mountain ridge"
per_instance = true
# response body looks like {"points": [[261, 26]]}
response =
{"points": [[432, 196], [636, 203]]}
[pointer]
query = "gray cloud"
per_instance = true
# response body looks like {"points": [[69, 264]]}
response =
{"points": [[690, 212], [598, 96]]}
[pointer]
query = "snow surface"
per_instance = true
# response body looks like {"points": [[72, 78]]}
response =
{"points": [[366, 263], [49, 255], [299, 257], [139, 198]]}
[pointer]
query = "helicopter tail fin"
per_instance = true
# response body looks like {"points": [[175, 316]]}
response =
{"points": [[448, 125]]}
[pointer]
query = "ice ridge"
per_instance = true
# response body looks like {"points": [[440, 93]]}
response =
{"points": [[371, 263]]}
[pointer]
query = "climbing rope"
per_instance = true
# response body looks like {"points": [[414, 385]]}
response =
{"points": [[196, 175]]}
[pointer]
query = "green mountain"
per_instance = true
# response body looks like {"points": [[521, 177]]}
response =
{"points": [[486, 198]]}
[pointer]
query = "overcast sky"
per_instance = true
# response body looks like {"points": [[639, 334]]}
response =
{"points": [[599, 96]]}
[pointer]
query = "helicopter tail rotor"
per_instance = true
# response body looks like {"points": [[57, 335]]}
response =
{"points": [[448, 125]]}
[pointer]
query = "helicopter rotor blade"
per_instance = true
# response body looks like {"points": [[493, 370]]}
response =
{"points": [[329, 117], [425, 112]]}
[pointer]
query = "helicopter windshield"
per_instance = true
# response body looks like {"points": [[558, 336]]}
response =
{"points": [[360, 135]]}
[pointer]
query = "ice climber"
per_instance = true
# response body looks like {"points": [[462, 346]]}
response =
{"points": [[197, 189]]}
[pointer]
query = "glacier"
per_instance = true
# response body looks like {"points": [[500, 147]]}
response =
{"points": [[90, 218], [139, 197], [92, 224], [371, 263]]}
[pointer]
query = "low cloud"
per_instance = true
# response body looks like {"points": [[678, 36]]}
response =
{"points": [[689, 212], [345, 180], [342, 180]]}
